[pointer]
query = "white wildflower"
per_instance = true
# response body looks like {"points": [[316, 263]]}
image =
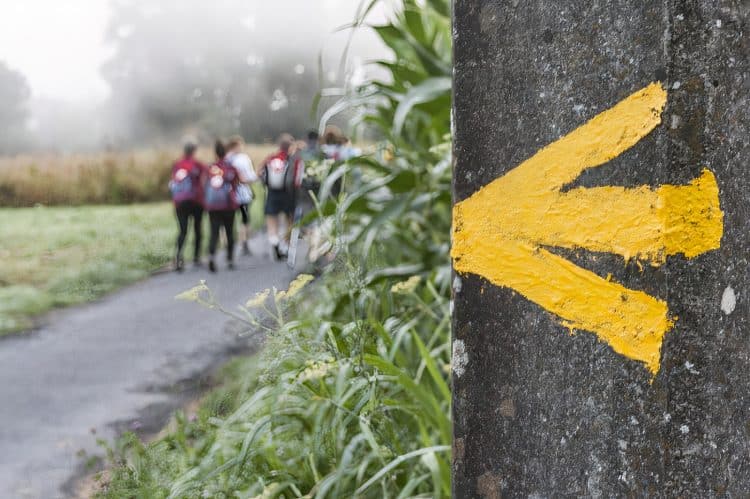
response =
{"points": [[258, 300], [295, 287], [407, 286], [193, 294]]}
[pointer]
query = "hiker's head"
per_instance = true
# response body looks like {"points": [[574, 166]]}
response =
{"points": [[190, 147], [220, 149], [285, 142], [312, 137], [235, 143], [333, 136]]}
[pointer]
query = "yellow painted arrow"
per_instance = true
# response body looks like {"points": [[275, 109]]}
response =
{"points": [[501, 230]]}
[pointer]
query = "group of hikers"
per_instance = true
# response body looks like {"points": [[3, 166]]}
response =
{"points": [[223, 189]]}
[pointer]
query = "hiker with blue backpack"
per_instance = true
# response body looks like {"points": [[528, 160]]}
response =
{"points": [[221, 202], [186, 186]]}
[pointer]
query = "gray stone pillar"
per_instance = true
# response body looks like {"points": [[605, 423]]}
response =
{"points": [[601, 334]]}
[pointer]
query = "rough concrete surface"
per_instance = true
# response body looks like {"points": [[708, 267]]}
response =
{"points": [[541, 412], [122, 363]]}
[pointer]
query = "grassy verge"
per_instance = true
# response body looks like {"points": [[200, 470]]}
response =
{"points": [[58, 256], [55, 257], [336, 405]]}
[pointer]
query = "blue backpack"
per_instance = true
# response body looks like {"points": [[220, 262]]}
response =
{"points": [[184, 185], [220, 194]]}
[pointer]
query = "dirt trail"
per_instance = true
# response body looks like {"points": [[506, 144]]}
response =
{"points": [[125, 361]]}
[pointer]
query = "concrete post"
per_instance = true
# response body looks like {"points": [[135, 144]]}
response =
{"points": [[601, 336]]}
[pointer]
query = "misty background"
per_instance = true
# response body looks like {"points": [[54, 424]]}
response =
{"points": [[114, 74]]}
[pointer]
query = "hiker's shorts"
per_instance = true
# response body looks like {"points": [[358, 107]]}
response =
{"points": [[279, 202]]}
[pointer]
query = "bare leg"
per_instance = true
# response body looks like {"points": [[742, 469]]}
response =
{"points": [[286, 221], [285, 231], [272, 224], [275, 236]]}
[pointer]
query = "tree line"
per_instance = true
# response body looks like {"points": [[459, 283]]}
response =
{"points": [[203, 68]]}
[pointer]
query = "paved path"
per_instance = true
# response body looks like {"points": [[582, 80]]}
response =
{"points": [[114, 361]]}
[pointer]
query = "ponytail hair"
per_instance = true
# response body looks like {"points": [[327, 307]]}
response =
{"points": [[220, 149]]}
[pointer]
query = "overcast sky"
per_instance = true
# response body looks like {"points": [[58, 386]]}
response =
{"points": [[59, 44]]}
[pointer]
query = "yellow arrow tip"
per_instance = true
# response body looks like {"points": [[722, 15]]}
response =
{"points": [[692, 216]]}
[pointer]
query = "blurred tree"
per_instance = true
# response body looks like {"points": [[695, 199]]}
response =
{"points": [[14, 114], [212, 68]]}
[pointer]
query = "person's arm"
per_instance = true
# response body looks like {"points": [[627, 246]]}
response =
{"points": [[243, 175], [198, 170], [202, 180], [261, 168], [253, 175], [171, 176], [245, 168], [262, 171]]}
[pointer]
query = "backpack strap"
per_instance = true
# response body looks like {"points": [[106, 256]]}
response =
{"points": [[289, 167]]}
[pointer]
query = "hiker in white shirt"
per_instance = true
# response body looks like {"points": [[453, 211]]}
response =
{"points": [[244, 166]]}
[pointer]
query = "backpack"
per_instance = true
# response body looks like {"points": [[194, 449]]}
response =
{"points": [[243, 167], [183, 185], [280, 174], [219, 192]]}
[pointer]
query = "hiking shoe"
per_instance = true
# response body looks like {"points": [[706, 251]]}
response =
{"points": [[197, 263], [212, 266], [283, 251], [179, 264], [245, 249], [230, 265], [277, 253]]}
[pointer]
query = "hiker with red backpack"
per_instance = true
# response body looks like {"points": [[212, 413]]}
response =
{"points": [[221, 203], [282, 173], [186, 186]]}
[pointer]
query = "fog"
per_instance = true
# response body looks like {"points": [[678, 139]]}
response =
{"points": [[176, 67]]}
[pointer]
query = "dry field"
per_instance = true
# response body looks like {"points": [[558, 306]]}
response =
{"points": [[99, 178]]}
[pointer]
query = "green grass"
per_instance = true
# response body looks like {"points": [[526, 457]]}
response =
{"points": [[59, 256], [55, 257]]}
